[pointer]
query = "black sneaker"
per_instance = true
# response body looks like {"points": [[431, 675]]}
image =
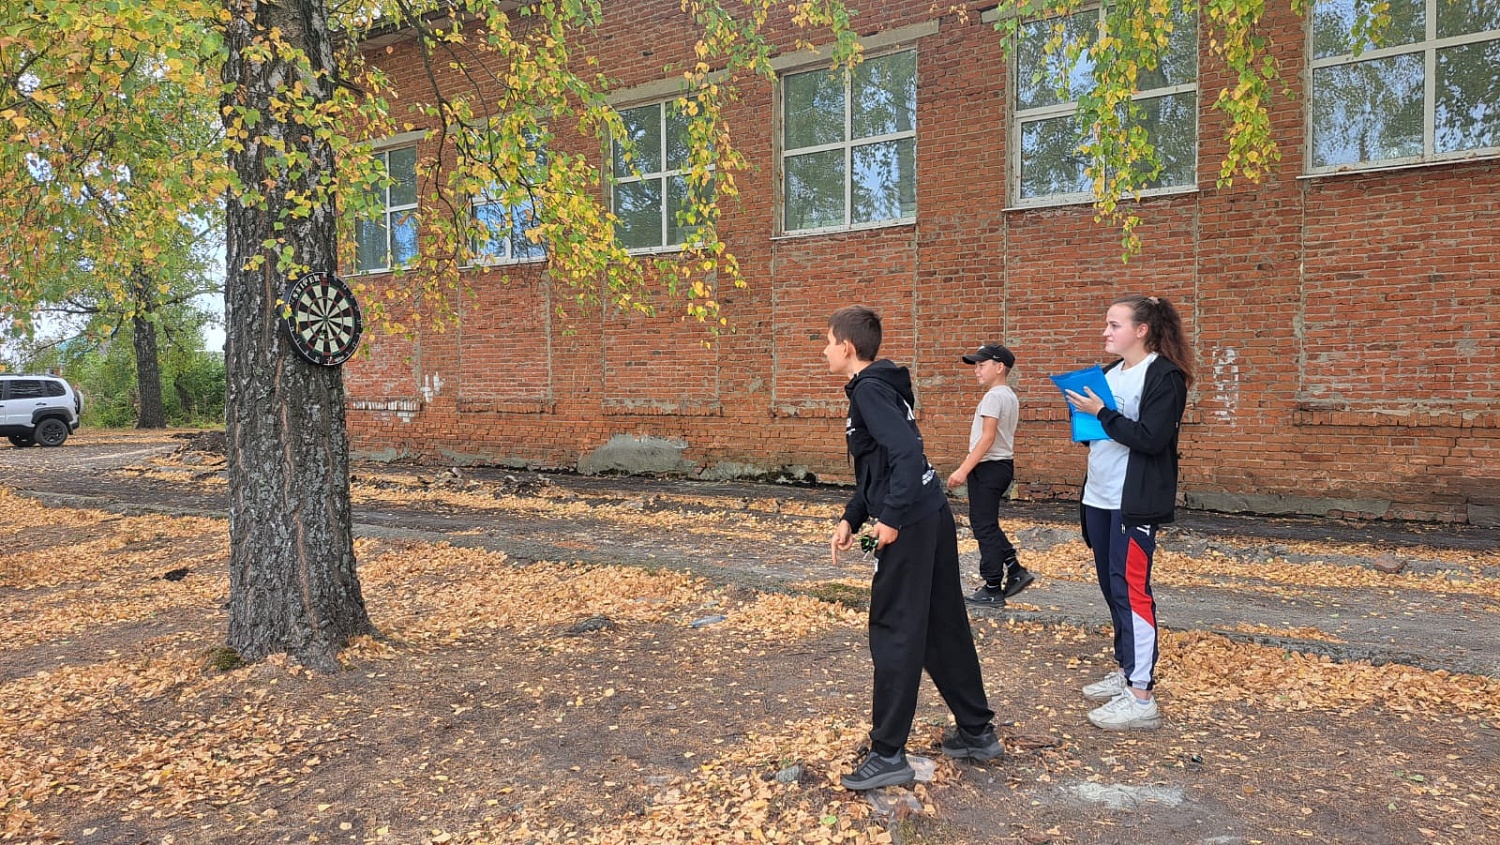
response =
{"points": [[983, 746], [877, 771], [1016, 580], [987, 597]]}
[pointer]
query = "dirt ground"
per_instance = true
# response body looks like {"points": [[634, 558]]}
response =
{"points": [[554, 668]]}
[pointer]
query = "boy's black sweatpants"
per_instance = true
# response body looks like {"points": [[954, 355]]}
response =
{"points": [[918, 621]]}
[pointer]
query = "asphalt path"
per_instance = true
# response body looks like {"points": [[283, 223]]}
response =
{"points": [[1450, 631]]}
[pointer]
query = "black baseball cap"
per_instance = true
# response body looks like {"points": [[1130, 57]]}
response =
{"points": [[991, 352]]}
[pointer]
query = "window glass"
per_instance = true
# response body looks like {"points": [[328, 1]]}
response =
{"points": [[1172, 124], [390, 239], [884, 185], [815, 190], [1468, 97], [1052, 164], [1036, 71], [833, 174], [884, 96], [371, 245], [643, 128], [1387, 109], [402, 166], [1332, 21], [54, 388], [26, 389], [638, 205], [813, 104], [1461, 17], [1368, 111]]}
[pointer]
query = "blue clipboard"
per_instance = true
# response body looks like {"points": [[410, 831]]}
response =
{"points": [[1086, 427]]}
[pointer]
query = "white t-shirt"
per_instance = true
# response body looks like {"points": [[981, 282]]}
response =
{"points": [[1001, 403], [1107, 458]]}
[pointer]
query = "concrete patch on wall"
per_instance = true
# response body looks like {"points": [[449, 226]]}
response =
{"points": [[1272, 504], [431, 386], [637, 456], [464, 459], [380, 456], [1485, 515], [734, 471]]}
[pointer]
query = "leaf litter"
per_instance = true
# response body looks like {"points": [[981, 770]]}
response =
{"points": [[476, 718]]}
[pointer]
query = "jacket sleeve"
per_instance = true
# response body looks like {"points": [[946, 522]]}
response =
{"points": [[886, 419], [856, 512], [1161, 410]]}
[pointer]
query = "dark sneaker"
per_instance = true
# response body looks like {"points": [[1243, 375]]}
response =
{"points": [[1016, 580], [986, 596], [877, 771], [958, 742]]}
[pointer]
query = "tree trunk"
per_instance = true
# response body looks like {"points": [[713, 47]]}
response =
{"points": [[292, 584], [147, 359]]}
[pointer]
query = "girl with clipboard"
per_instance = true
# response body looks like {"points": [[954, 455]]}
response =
{"points": [[1131, 490]]}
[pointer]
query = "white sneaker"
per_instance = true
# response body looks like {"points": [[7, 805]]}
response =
{"points": [[1105, 690], [1127, 713]]}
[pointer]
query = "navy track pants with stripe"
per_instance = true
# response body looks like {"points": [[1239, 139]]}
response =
{"points": [[1122, 560]]}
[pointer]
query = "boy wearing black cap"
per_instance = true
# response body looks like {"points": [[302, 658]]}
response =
{"points": [[989, 469]]}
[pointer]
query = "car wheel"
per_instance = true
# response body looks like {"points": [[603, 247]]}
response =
{"points": [[51, 432], [20, 442]]}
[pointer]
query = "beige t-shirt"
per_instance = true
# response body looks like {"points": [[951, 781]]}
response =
{"points": [[1001, 403]]}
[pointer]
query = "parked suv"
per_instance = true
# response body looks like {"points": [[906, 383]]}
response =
{"points": [[38, 409]]}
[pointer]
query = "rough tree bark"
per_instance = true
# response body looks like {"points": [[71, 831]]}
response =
{"points": [[147, 359], [293, 584]]}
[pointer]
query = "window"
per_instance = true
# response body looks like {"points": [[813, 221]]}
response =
{"points": [[1048, 166], [390, 239], [1427, 92], [507, 215], [650, 183], [26, 389], [849, 145], [508, 211]]}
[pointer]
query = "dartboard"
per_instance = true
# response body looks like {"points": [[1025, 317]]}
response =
{"points": [[322, 318]]}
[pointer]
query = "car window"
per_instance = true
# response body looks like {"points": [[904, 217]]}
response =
{"points": [[54, 388], [26, 389]]}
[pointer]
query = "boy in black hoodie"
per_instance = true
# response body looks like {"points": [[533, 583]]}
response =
{"points": [[917, 615]]}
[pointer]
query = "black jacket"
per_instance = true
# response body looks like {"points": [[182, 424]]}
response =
{"points": [[893, 482], [1150, 493]]}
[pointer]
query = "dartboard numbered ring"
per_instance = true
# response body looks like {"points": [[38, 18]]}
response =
{"points": [[322, 318]]}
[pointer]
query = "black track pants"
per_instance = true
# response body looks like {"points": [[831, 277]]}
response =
{"points": [[988, 482], [918, 621]]}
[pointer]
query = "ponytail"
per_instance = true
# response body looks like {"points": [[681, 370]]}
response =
{"points": [[1165, 336]]}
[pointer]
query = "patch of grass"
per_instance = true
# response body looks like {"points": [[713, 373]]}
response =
{"points": [[223, 659], [836, 592]]}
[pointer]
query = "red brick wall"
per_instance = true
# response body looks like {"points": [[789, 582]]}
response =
{"points": [[1342, 324]]}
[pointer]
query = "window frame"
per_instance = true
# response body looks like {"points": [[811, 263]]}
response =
{"points": [[664, 175], [848, 145], [1428, 46], [383, 150], [1020, 118]]}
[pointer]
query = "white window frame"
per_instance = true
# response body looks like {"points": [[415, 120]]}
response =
{"points": [[847, 145], [1429, 46], [383, 150], [663, 175], [1021, 117]]}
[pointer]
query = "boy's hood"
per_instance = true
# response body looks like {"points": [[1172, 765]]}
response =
{"points": [[885, 370]]}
